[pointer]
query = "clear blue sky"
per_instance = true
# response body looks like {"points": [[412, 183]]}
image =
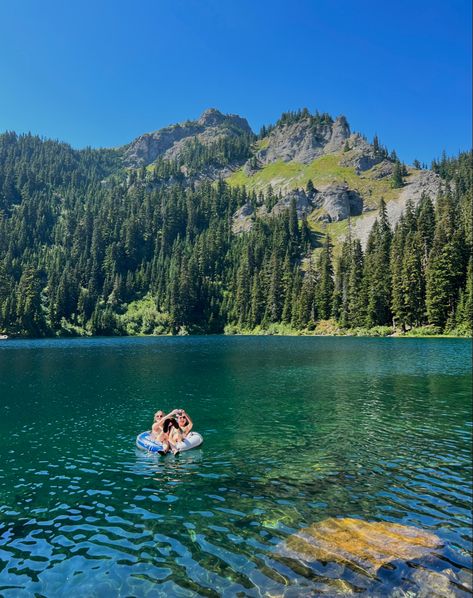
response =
{"points": [[102, 72]]}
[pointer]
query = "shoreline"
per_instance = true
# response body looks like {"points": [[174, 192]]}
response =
{"points": [[259, 333]]}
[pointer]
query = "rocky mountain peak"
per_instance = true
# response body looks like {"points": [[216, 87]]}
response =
{"points": [[340, 133], [211, 118], [214, 118], [169, 142], [303, 137]]}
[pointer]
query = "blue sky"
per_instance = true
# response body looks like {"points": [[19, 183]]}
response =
{"points": [[102, 72]]}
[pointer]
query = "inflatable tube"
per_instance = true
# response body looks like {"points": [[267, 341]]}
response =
{"points": [[145, 442]]}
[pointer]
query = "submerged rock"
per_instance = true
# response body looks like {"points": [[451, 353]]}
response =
{"points": [[435, 584], [366, 545]]}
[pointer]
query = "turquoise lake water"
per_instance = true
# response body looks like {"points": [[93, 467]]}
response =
{"points": [[296, 430]]}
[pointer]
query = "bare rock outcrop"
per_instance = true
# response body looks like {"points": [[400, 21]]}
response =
{"points": [[338, 202], [361, 155], [303, 203], [243, 219], [340, 133], [383, 169], [169, 142], [303, 141]]}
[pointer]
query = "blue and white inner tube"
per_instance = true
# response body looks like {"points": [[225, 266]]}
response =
{"points": [[146, 442]]}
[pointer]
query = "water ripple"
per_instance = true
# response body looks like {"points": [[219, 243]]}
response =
{"points": [[296, 431]]}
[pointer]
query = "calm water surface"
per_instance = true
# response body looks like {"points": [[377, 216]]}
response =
{"points": [[296, 430]]}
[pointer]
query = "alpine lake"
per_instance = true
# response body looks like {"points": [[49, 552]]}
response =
{"points": [[297, 431]]}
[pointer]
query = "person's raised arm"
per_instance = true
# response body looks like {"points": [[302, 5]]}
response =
{"points": [[190, 425], [171, 414]]}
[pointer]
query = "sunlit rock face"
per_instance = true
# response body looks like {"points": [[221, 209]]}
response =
{"points": [[367, 545], [303, 141], [170, 142]]}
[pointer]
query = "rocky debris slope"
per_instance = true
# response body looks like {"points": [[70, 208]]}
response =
{"points": [[169, 142], [425, 181]]}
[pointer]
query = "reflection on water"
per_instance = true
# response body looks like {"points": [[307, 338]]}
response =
{"points": [[297, 430]]}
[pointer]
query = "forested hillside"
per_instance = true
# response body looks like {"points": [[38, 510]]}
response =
{"points": [[92, 245]]}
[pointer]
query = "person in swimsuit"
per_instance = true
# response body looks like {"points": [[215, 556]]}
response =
{"points": [[158, 422], [185, 423], [170, 436]]}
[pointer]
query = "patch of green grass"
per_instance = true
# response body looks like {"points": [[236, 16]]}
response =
{"points": [[278, 174], [261, 144], [323, 171]]}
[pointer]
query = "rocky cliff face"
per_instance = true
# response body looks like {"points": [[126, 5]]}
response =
{"points": [[338, 202], [169, 142], [303, 141], [361, 155], [334, 203]]}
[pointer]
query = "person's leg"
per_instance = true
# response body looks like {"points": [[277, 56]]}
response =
{"points": [[176, 438], [166, 444]]}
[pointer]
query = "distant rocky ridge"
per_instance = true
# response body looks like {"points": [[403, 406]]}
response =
{"points": [[169, 142], [301, 139]]}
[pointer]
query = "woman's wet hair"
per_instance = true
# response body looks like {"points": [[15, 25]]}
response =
{"points": [[169, 423]]}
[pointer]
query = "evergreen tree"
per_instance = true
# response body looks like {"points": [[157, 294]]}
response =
{"points": [[377, 287], [397, 180], [356, 294], [413, 291], [28, 304], [80, 238], [376, 146], [325, 286], [310, 189]]}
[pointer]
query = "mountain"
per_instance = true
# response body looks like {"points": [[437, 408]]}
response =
{"points": [[350, 175], [206, 226], [178, 142]]}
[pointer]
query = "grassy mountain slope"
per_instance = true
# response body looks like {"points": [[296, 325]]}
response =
{"points": [[327, 170]]}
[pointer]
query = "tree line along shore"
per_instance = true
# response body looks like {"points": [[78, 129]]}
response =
{"points": [[82, 257]]}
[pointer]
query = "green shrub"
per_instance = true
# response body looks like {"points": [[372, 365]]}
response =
{"points": [[424, 331], [143, 317]]}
